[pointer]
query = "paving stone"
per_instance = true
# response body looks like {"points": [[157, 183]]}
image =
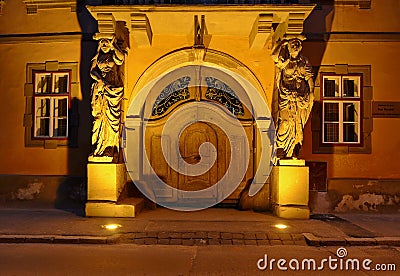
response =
{"points": [[140, 235], [200, 242], [250, 242], [273, 236], [175, 235], [237, 236], [275, 242], [285, 236], [261, 236], [200, 235], [226, 236], [214, 242], [249, 236], [140, 241], [188, 235], [361, 241], [187, 242], [303, 242], [175, 241], [163, 241], [226, 242], [262, 242], [113, 239], [163, 235], [288, 242], [297, 237], [151, 234], [237, 241], [213, 235], [150, 241]]}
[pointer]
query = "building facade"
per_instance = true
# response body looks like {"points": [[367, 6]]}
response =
{"points": [[350, 140]]}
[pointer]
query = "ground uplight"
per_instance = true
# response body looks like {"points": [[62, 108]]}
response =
{"points": [[111, 226], [281, 226]]}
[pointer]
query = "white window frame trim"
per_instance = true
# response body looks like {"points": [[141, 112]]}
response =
{"points": [[52, 96], [341, 100]]}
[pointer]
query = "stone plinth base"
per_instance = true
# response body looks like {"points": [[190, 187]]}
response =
{"points": [[292, 212], [130, 208], [105, 181], [289, 191]]}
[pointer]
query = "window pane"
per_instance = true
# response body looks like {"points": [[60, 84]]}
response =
{"points": [[42, 107], [331, 112], [350, 112], [61, 83], [42, 127], [43, 83], [60, 127], [61, 107], [350, 132], [331, 132], [351, 86], [331, 86]]}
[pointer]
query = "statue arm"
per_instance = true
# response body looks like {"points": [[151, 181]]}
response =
{"points": [[118, 54]]}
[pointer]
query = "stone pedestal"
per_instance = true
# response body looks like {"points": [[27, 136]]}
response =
{"points": [[289, 190], [105, 184], [105, 181]]}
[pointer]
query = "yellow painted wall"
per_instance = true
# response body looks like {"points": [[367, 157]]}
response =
{"points": [[383, 57], [15, 54]]}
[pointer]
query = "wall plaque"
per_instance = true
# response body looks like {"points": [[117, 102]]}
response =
{"points": [[386, 109]]}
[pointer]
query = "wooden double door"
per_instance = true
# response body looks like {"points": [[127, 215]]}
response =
{"points": [[190, 139]]}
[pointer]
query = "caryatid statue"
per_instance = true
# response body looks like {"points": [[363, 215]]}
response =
{"points": [[107, 93], [294, 80]]}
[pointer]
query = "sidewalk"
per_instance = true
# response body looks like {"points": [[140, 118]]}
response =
{"points": [[214, 226]]}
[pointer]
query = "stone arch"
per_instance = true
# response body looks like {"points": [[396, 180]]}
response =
{"points": [[231, 71]]}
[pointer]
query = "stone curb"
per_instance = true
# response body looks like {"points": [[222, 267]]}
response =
{"points": [[350, 241], [203, 239], [58, 239]]}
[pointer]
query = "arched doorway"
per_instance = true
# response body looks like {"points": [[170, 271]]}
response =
{"points": [[203, 102], [185, 88]]}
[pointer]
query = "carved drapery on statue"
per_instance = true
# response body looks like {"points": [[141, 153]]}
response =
{"points": [[107, 93], [294, 80]]}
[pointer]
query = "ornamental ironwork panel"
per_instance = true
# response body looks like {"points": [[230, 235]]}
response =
{"points": [[175, 92], [220, 92]]}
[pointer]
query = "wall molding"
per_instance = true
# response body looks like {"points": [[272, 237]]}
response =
{"points": [[33, 6]]}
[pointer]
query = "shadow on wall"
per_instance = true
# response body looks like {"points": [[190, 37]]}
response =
{"points": [[72, 192]]}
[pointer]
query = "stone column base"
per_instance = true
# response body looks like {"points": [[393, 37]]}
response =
{"points": [[289, 190], [108, 209], [292, 212]]}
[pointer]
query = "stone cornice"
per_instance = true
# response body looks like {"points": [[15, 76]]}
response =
{"points": [[2, 3], [32, 6], [362, 4], [355, 37]]}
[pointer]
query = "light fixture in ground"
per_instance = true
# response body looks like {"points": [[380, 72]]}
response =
{"points": [[111, 226], [281, 226]]}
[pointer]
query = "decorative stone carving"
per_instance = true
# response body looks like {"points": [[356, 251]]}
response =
{"points": [[294, 80], [107, 93]]}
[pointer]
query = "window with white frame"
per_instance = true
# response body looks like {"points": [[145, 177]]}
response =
{"points": [[341, 109], [51, 104]]}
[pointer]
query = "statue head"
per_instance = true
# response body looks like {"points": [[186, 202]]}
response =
{"points": [[294, 47], [105, 45]]}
